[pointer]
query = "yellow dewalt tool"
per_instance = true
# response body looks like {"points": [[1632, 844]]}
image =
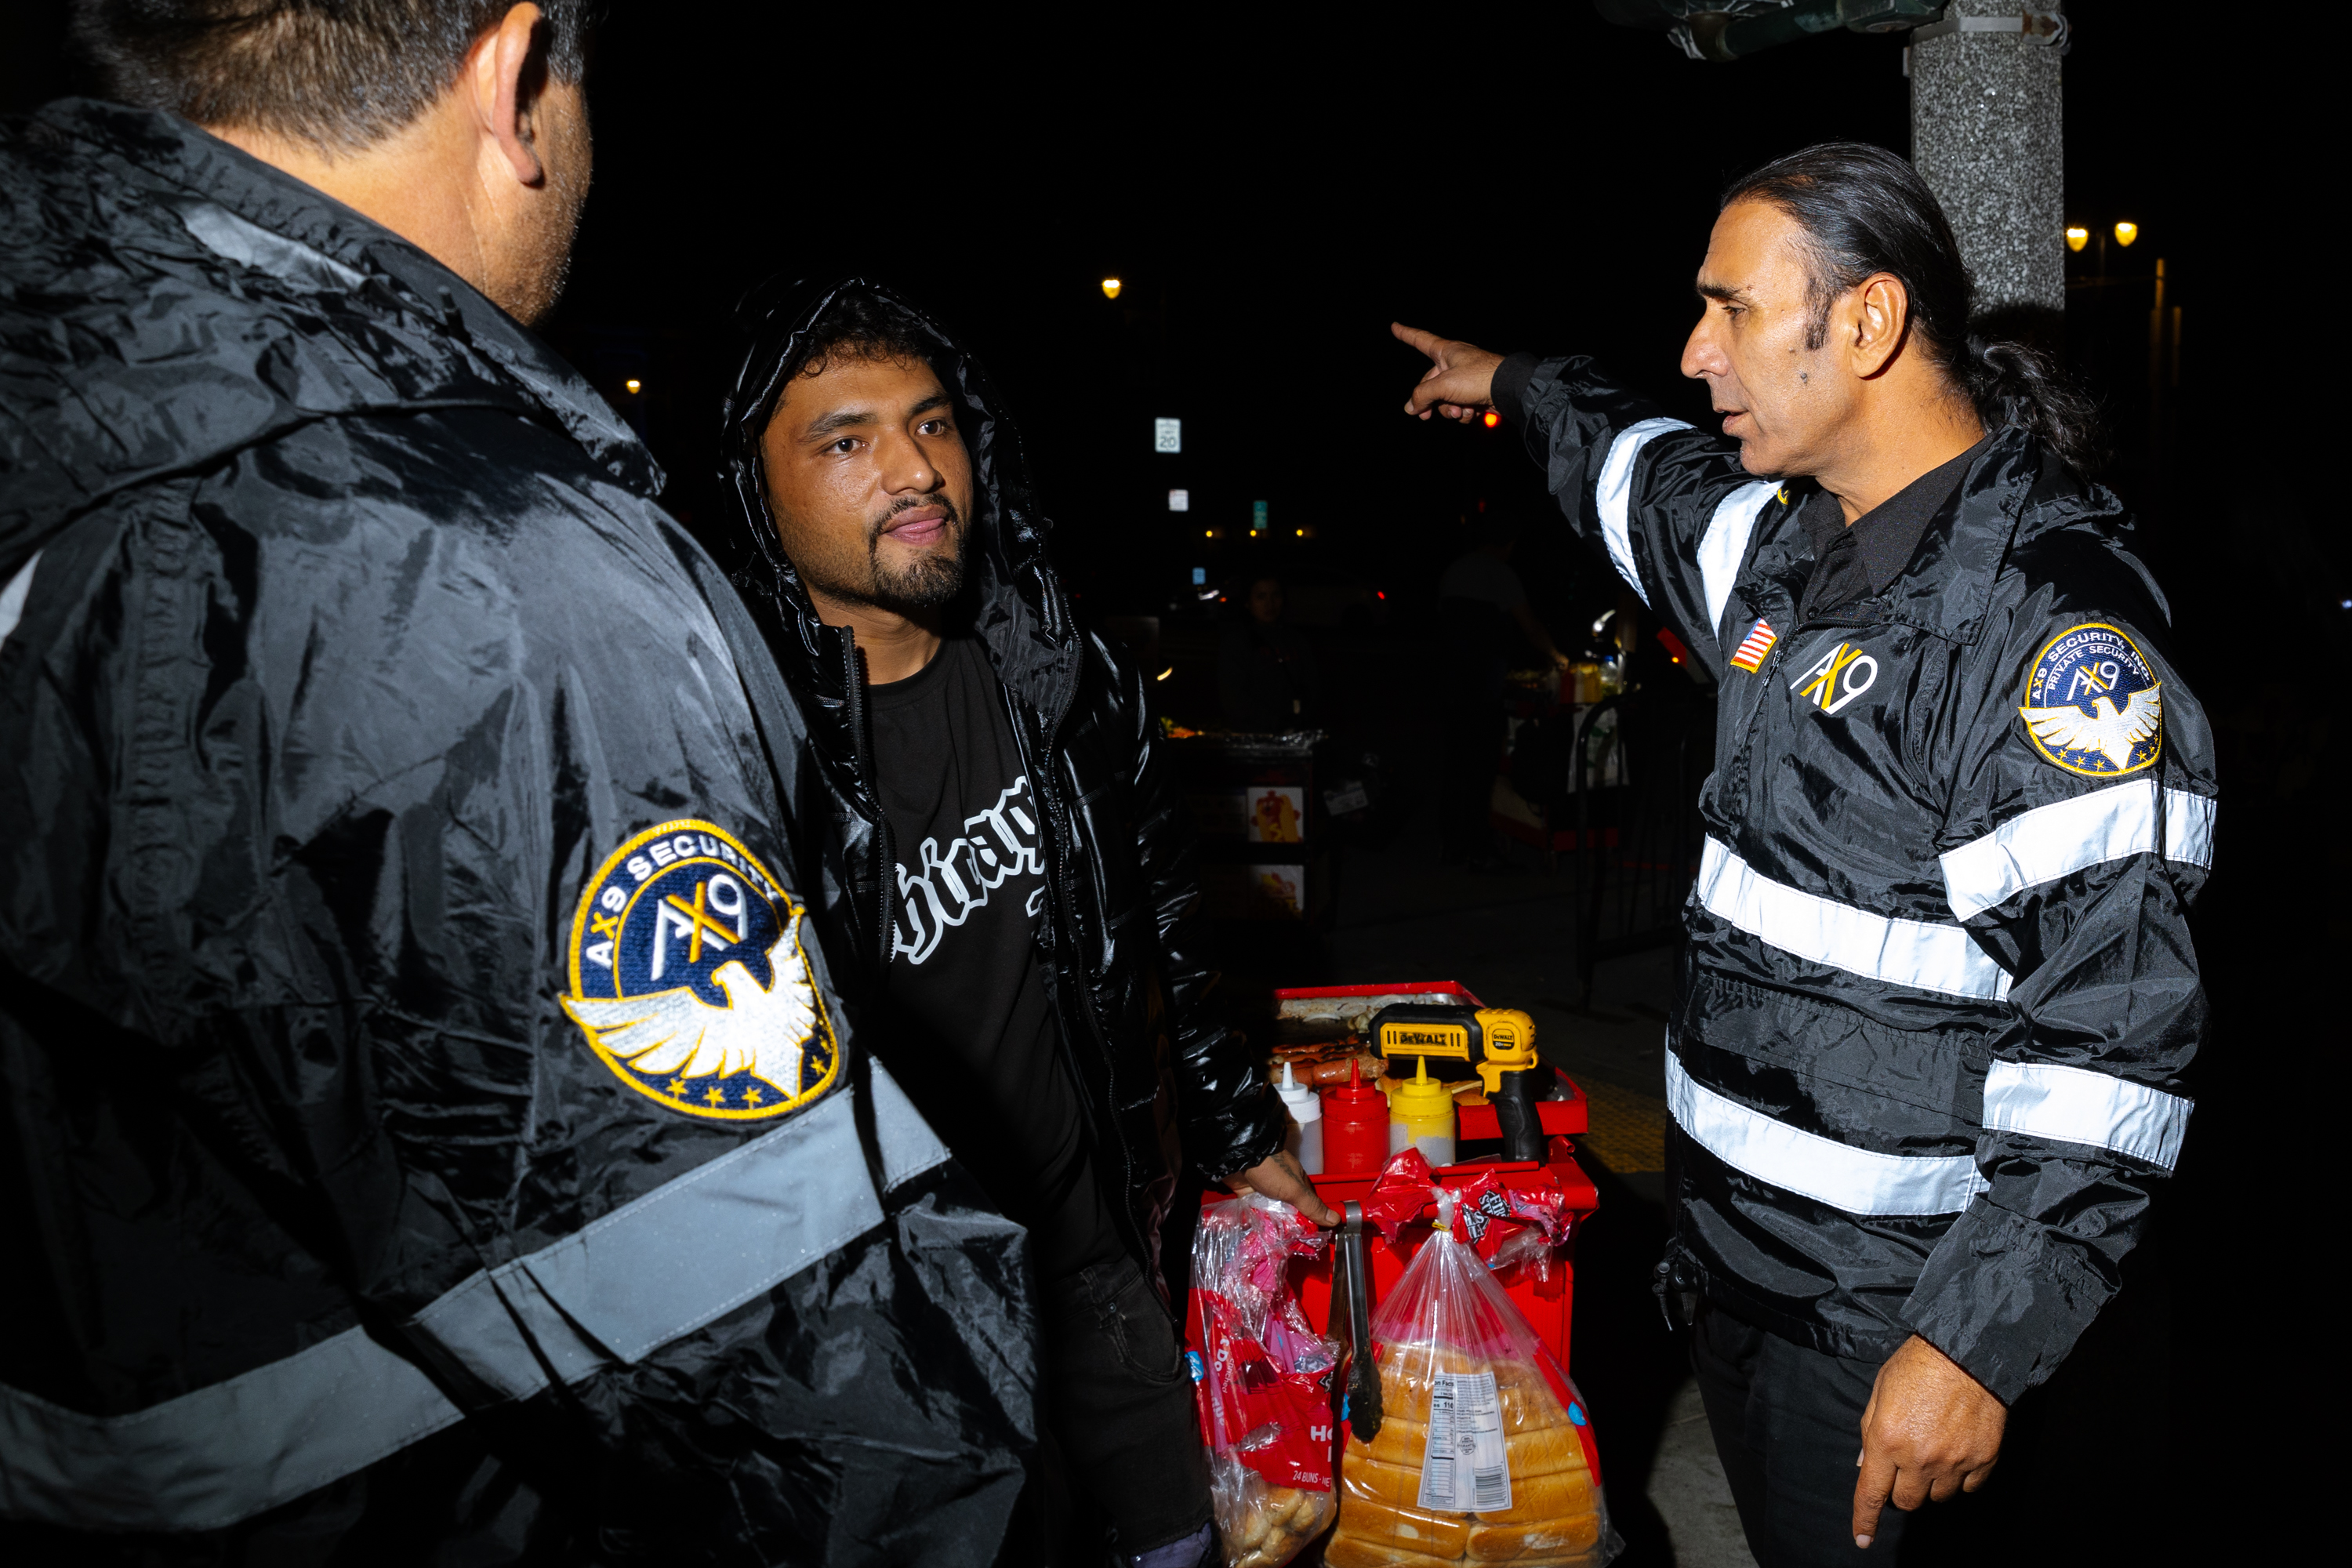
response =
{"points": [[1496, 1044]]}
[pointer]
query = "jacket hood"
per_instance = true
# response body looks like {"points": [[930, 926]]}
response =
{"points": [[167, 299], [1018, 606]]}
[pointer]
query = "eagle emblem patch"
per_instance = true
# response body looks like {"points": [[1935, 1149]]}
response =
{"points": [[689, 980], [2092, 705]]}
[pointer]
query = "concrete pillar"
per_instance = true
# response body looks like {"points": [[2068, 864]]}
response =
{"points": [[1986, 136]]}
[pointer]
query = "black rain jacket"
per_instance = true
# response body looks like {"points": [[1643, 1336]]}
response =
{"points": [[429, 1132], [1163, 1080], [1924, 1065]]}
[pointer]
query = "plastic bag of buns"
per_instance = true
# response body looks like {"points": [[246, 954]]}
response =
{"points": [[1483, 1453], [1264, 1383]]}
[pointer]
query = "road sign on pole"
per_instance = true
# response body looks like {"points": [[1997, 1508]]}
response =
{"points": [[1167, 435], [1257, 517]]}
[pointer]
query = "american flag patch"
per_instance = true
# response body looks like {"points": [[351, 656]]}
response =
{"points": [[1751, 657]]}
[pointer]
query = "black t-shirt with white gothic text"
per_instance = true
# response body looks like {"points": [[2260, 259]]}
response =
{"points": [[965, 973]]}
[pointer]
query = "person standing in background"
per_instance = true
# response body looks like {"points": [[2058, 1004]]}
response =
{"points": [[1266, 677]]}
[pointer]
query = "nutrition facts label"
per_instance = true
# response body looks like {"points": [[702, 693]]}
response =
{"points": [[1466, 1469]]}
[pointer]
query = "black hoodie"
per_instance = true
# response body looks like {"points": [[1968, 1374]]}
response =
{"points": [[1163, 1081]]}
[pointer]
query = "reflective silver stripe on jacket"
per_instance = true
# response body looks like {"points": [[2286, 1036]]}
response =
{"points": [[627, 1284], [2077, 1105], [13, 597], [1725, 544], [2069, 836], [1925, 957], [1612, 494], [1859, 1181]]}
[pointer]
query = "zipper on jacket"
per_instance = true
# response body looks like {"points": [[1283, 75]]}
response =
{"points": [[861, 753]]}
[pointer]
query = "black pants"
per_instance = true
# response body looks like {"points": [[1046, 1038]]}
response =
{"points": [[1120, 1443], [2111, 1462], [1787, 1421]]}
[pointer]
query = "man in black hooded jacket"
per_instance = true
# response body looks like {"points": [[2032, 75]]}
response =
{"points": [[431, 1129], [1017, 872]]}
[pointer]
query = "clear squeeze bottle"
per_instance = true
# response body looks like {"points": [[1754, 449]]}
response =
{"points": [[1355, 1127], [1305, 1137], [1421, 1116]]}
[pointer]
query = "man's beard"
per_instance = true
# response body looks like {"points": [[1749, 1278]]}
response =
{"points": [[544, 263], [930, 579]]}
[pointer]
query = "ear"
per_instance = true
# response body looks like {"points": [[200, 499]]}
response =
{"points": [[1881, 315], [508, 70]]}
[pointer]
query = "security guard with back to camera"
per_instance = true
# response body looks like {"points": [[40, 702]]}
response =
{"points": [[1924, 1065], [432, 1129]]}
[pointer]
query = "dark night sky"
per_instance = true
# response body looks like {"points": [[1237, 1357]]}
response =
{"points": [[1272, 195]]}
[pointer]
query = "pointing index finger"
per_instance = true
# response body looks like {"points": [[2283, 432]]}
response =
{"points": [[1427, 343]]}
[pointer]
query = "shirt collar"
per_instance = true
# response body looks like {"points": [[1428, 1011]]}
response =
{"points": [[1887, 536]]}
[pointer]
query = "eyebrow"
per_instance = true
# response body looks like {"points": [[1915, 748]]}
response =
{"points": [[825, 424], [1724, 292], [839, 419]]}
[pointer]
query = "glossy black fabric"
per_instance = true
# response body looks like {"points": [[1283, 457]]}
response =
{"points": [[355, 644], [1856, 809], [1164, 1082]]}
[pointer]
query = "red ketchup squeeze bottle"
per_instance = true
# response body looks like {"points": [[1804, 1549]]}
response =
{"points": [[1355, 1127]]}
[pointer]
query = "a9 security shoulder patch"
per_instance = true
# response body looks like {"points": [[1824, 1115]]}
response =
{"points": [[2093, 705], [689, 980]]}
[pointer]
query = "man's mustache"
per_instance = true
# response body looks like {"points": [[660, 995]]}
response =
{"points": [[881, 525]]}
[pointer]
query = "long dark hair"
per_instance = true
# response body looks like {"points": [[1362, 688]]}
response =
{"points": [[1864, 210]]}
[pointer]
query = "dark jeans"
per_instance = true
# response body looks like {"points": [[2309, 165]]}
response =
{"points": [[1120, 1445]]}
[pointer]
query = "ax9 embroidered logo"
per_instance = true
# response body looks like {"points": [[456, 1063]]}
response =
{"points": [[1844, 673], [690, 982]]}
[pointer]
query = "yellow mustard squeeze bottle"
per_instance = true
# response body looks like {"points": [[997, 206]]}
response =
{"points": [[1421, 1116]]}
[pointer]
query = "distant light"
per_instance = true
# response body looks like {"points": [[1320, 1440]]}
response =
{"points": [[2125, 232], [1492, 419], [634, 384], [2347, 604], [1301, 533], [1208, 533], [2078, 237], [1172, 668], [1180, 501], [1110, 288], [1167, 435], [1377, 594]]}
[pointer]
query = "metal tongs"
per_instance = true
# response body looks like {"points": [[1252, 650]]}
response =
{"points": [[1351, 1324]]}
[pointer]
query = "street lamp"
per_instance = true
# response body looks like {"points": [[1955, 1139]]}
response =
{"points": [[2077, 236], [1110, 288], [2125, 232], [634, 385]]}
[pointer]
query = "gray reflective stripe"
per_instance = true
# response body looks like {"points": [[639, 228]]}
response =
{"points": [[1725, 544], [1859, 1181], [1612, 494], [2072, 834], [2077, 1105], [221, 1453], [12, 596], [662, 1265], [909, 1147], [1901, 952]]}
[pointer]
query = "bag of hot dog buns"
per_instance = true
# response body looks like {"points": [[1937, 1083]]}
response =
{"points": [[1484, 1452], [1264, 1382]]}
